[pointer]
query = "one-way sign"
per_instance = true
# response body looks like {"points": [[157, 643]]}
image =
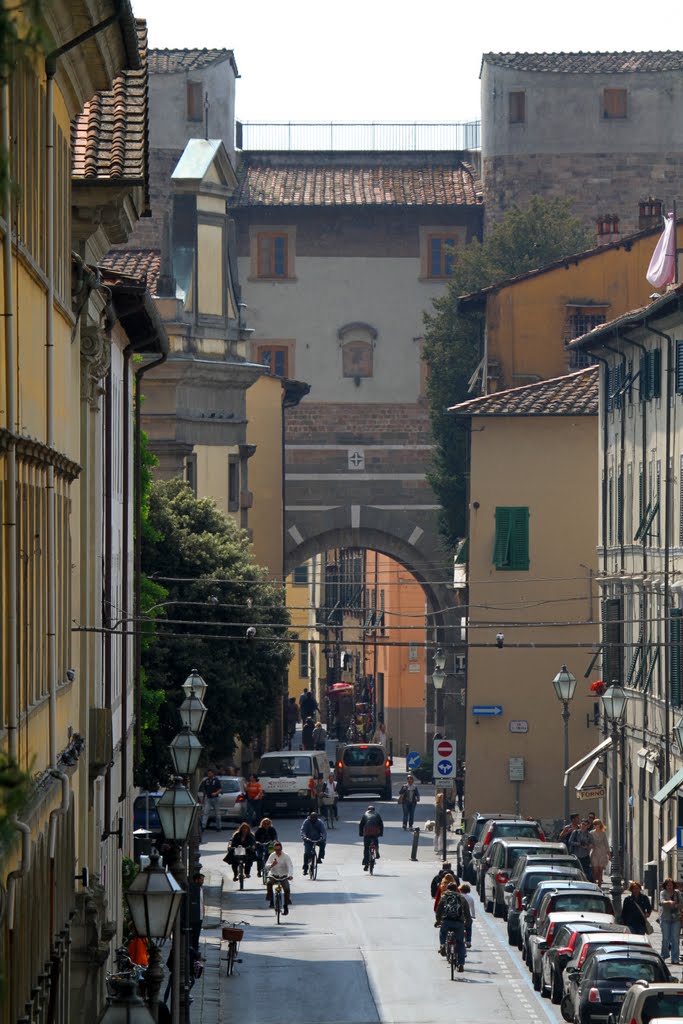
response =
{"points": [[482, 710]]}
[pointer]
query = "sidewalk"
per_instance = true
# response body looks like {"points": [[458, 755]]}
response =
{"points": [[207, 993]]}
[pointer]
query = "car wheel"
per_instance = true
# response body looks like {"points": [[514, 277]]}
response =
{"points": [[566, 1009], [555, 989], [545, 991], [498, 909], [536, 980], [512, 938]]}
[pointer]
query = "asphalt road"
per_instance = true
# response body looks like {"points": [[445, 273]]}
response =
{"points": [[360, 949]]}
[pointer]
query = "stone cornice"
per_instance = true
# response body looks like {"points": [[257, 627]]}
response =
{"points": [[29, 449]]}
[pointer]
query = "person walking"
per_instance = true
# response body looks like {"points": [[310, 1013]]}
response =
{"points": [[319, 736], [453, 915], [573, 823], [600, 851], [409, 798], [307, 734], [381, 736], [636, 910], [466, 891], [254, 799], [579, 843], [440, 810], [460, 785], [211, 789], [670, 906]]}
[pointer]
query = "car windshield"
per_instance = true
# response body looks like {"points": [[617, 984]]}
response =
{"points": [[663, 1004], [518, 851], [629, 969], [289, 767], [145, 814], [515, 829], [230, 785], [363, 757], [579, 901]]}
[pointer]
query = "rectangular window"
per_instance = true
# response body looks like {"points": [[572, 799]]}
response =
{"points": [[614, 104], [517, 107], [620, 508], [300, 577], [304, 669], [610, 508], [275, 357], [272, 255], [460, 663], [195, 101], [233, 483], [511, 547], [441, 255], [612, 640], [628, 501]]}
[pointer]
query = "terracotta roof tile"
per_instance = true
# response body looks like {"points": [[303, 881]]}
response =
{"points": [[169, 62], [575, 394], [143, 264], [356, 182], [109, 139], [589, 63]]}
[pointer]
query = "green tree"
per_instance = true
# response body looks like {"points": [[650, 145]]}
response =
{"points": [[215, 591], [525, 239]]}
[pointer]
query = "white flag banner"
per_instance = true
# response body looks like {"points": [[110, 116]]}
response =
{"points": [[662, 269]]}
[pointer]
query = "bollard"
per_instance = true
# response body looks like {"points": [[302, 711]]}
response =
{"points": [[416, 840]]}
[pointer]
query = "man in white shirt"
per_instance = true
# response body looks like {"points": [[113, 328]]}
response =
{"points": [[280, 869]]}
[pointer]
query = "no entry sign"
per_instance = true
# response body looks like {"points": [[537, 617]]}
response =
{"points": [[444, 759]]}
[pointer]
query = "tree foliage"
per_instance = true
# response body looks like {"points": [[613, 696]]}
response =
{"points": [[214, 592], [525, 239]]}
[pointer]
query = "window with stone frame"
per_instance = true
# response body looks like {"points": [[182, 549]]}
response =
{"points": [[579, 320], [272, 255], [275, 357]]}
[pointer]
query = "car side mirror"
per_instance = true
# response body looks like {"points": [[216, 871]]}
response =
{"points": [[525, 903], [571, 972], [477, 854], [542, 944]]}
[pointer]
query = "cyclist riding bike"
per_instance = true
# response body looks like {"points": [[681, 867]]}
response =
{"points": [[280, 869], [313, 831], [370, 827], [265, 837], [453, 915]]}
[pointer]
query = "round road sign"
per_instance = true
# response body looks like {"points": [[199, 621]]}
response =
{"points": [[445, 768], [445, 748]]}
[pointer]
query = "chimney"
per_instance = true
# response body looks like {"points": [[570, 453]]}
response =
{"points": [[649, 214], [608, 228]]}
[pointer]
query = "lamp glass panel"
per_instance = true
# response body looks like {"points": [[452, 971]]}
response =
{"points": [[192, 713], [438, 679], [177, 811], [153, 899], [195, 684], [614, 701], [564, 684], [185, 751]]}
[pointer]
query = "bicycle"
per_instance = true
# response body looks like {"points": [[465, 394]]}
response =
{"points": [[240, 855], [313, 864], [278, 898], [372, 856], [233, 935], [329, 813], [266, 852], [451, 954]]}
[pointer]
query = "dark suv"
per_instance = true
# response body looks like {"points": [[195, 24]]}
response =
{"points": [[520, 889], [597, 992], [500, 828], [471, 832], [503, 857]]}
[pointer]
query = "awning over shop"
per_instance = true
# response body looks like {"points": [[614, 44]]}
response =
{"points": [[671, 787], [590, 756], [668, 847], [587, 774]]}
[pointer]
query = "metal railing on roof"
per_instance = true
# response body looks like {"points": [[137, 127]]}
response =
{"points": [[357, 136]]}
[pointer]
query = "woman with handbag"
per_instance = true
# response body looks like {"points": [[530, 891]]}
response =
{"points": [[670, 906], [601, 853], [636, 909]]}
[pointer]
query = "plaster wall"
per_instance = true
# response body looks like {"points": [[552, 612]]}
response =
{"points": [[169, 127], [264, 429], [558, 483]]}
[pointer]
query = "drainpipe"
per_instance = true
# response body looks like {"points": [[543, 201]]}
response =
{"points": [[603, 495], [19, 872], [137, 483], [10, 509], [60, 811], [125, 604]]}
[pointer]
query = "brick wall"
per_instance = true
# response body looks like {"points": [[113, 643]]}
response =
{"points": [[358, 424]]}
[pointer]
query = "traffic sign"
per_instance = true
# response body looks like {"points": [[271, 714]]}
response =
{"points": [[484, 710], [679, 838], [413, 760], [444, 759]]}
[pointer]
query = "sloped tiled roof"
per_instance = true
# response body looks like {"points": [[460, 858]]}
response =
{"points": [[109, 139], [355, 183], [662, 305], [575, 394], [589, 63], [170, 62], [143, 264]]}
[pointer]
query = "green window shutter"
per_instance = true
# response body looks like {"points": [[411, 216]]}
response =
{"points": [[612, 641], [654, 370], [675, 661], [609, 388], [620, 508], [679, 367], [511, 546], [642, 378]]}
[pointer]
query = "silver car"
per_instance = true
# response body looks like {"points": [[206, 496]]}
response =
{"points": [[232, 802]]}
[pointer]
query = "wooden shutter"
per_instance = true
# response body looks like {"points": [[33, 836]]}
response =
{"points": [[501, 546], [511, 547], [643, 378], [264, 261], [609, 388], [675, 661], [614, 103], [654, 373], [679, 367], [612, 641]]}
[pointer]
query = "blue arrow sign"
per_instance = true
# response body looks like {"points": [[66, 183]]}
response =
{"points": [[445, 768], [482, 710], [413, 760]]}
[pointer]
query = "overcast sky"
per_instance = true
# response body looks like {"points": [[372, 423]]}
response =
{"points": [[371, 60]]}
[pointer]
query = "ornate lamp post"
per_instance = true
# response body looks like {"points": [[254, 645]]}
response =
{"points": [[614, 702], [565, 684], [185, 751], [154, 899], [124, 1005]]}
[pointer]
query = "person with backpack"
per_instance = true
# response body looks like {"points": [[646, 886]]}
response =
{"points": [[370, 827], [453, 915]]}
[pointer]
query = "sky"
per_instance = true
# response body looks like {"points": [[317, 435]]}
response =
{"points": [[371, 60]]}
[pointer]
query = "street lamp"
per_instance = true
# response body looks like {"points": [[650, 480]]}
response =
{"points": [[185, 751], [124, 1005], [177, 811], [565, 684], [439, 675], [193, 712], [195, 684], [614, 702], [154, 899]]}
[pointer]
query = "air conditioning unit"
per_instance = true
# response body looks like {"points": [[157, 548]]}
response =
{"points": [[100, 746]]}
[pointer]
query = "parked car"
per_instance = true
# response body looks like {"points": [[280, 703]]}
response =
{"points": [[471, 832], [546, 856], [527, 921], [646, 1003], [232, 803], [363, 768], [502, 859], [519, 890], [565, 940], [146, 816], [545, 933], [500, 829], [599, 989]]}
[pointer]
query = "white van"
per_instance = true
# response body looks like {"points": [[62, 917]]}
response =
{"points": [[292, 780]]}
